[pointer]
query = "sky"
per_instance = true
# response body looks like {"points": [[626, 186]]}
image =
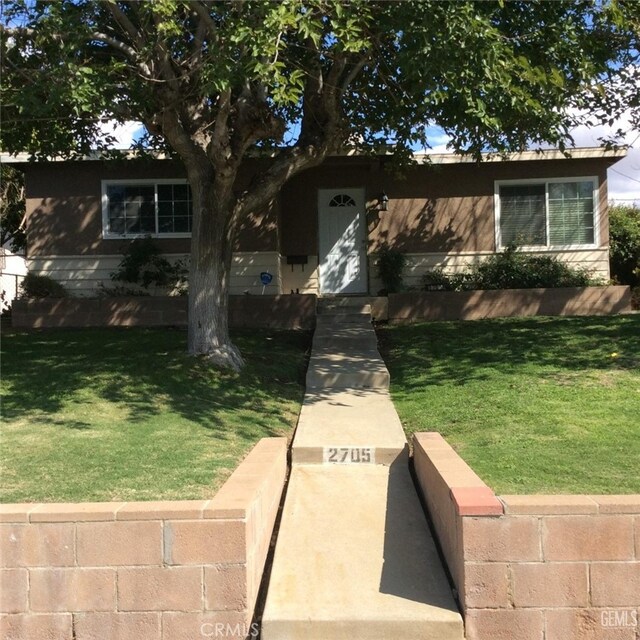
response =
{"points": [[623, 177]]}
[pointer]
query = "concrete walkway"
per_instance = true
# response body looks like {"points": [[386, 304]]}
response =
{"points": [[354, 559]]}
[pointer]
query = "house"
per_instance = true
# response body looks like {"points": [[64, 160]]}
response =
{"points": [[323, 233]]}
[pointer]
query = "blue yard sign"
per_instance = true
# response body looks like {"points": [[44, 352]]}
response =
{"points": [[265, 278]]}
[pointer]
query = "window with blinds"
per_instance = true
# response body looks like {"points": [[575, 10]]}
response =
{"points": [[159, 208], [547, 214]]}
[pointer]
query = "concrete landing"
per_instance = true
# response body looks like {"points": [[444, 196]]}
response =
{"points": [[355, 561], [335, 418]]}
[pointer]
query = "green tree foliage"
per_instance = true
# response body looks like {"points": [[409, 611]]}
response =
{"points": [[12, 208], [624, 244], [214, 82]]}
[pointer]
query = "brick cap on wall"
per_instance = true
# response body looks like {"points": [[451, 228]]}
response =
{"points": [[570, 504], [470, 495], [232, 500]]}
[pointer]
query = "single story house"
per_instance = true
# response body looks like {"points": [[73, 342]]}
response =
{"points": [[323, 232]]}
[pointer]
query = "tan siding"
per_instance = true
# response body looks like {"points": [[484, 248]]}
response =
{"points": [[299, 278], [82, 275]]}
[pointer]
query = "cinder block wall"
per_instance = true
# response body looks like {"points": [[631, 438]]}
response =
{"points": [[272, 312], [421, 306], [533, 567], [142, 570]]}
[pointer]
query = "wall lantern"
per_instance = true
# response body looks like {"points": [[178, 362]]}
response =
{"points": [[383, 201]]}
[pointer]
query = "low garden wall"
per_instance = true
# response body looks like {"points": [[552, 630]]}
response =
{"points": [[273, 312], [421, 306], [146, 570], [533, 567]]}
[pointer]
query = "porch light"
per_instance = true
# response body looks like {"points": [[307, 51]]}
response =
{"points": [[383, 201]]}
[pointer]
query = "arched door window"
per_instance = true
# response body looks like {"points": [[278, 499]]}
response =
{"points": [[342, 200]]}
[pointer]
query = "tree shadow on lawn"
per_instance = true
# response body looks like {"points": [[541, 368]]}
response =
{"points": [[147, 372], [457, 353]]}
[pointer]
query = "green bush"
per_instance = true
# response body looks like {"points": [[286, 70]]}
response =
{"points": [[144, 265], [36, 286], [391, 263], [624, 244], [438, 280], [120, 291], [511, 270]]}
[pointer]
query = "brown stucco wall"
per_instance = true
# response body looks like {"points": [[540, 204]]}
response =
{"points": [[65, 213], [445, 208]]}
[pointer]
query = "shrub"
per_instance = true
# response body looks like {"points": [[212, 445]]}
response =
{"points": [[438, 280], [624, 244], [391, 263], [36, 286], [144, 265], [119, 291], [511, 270]]}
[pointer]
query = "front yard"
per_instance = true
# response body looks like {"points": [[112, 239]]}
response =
{"points": [[125, 414], [534, 405]]}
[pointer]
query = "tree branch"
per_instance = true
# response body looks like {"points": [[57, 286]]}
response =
{"points": [[123, 20], [220, 139], [205, 18]]}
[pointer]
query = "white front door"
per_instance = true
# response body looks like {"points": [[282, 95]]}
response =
{"points": [[342, 240]]}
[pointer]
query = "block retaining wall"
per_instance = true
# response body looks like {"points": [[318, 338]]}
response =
{"points": [[182, 570], [533, 567], [272, 312], [420, 306]]}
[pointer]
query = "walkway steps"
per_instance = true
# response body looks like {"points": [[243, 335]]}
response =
{"points": [[354, 558], [355, 561]]}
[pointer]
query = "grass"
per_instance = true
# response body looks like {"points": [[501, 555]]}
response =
{"points": [[534, 405], [125, 414]]}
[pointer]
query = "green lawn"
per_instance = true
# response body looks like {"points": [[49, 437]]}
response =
{"points": [[125, 414], [534, 405]]}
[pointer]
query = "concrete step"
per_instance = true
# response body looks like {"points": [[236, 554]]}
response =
{"points": [[355, 561], [325, 310], [333, 319], [355, 424], [358, 370]]}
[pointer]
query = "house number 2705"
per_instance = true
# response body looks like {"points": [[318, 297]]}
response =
{"points": [[349, 455]]}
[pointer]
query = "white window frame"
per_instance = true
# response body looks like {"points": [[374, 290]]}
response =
{"points": [[107, 235], [546, 182]]}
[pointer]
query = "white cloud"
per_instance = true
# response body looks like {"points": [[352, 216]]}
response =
{"points": [[623, 178]]}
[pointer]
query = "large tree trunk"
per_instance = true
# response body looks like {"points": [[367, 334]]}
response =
{"points": [[211, 253]]}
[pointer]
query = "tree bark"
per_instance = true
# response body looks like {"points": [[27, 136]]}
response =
{"points": [[211, 253]]}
